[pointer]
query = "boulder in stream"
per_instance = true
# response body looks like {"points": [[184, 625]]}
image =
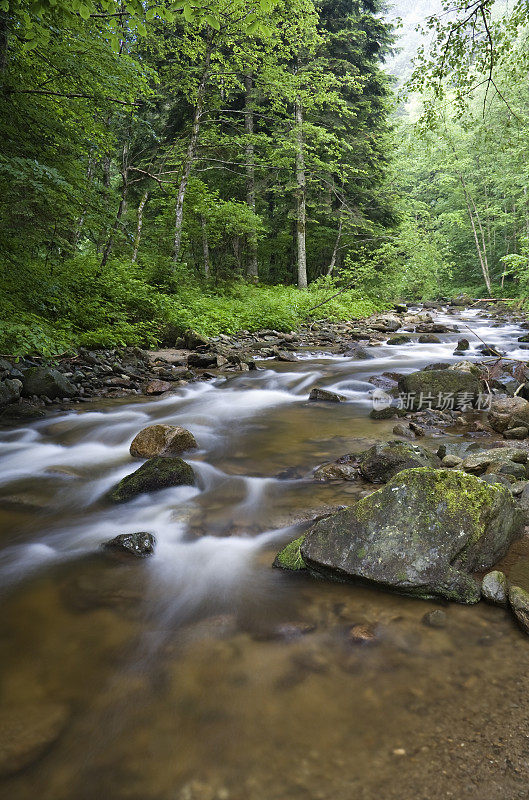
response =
{"points": [[507, 413], [139, 544], [44, 381], [385, 459], [326, 396], [519, 602], [162, 440], [9, 391], [494, 588], [423, 534], [429, 387], [160, 472]]}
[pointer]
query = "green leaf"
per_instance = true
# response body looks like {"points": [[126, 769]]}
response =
{"points": [[213, 21], [84, 11]]}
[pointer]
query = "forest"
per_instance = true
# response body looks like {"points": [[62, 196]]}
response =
{"points": [[231, 165]]}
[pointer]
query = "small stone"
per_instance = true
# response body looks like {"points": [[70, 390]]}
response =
{"points": [[452, 461], [435, 619], [494, 588], [400, 429], [362, 634], [158, 387], [399, 751]]}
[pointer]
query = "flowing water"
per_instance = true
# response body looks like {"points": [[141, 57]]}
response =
{"points": [[183, 677]]}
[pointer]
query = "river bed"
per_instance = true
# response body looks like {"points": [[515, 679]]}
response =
{"points": [[204, 674]]}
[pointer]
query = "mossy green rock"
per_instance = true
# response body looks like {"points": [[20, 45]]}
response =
{"points": [[157, 473], [428, 387], [385, 459], [422, 534], [290, 557]]}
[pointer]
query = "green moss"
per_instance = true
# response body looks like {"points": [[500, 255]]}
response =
{"points": [[290, 556], [156, 473]]}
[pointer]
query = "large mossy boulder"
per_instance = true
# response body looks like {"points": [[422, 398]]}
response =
{"points": [[162, 440], [44, 381], [157, 473], [430, 388], [423, 534], [385, 459]]}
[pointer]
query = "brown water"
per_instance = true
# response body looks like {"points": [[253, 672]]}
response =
{"points": [[202, 673]]}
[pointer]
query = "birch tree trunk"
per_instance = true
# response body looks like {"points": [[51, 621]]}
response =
{"points": [[301, 215], [480, 247], [137, 238], [253, 266], [332, 262], [190, 156]]}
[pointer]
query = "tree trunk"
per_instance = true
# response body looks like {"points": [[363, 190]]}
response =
{"points": [[332, 263], [252, 267], [205, 245], [190, 156], [139, 226], [4, 40], [301, 215], [121, 208], [481, 248]]}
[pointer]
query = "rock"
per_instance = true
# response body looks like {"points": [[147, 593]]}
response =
{"points": [[429, 338], [27, 731], [478, 463], [461, 301], [423, 534], [493, 478], [324, 395], [386, 324], [463, 344], [524, 501], [400, 429], [401, 338], [516, 433], [452, 461], [359, 353], [427, 388], [162, 440], [9, 391], [22, 410], [193, 339], [290, 556], [139, 545], [508, 412], [158, 387], [157, 473], [284, 355], [46, 381], [489, 350], [336, 471], [361, 634], [494, 588], [435, 618], [202, 360], [466, 366], [518, 487], [382, 461], [519, 602], [401, 308], [384, 413]]}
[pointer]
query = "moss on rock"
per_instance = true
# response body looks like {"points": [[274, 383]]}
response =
{"points": [[156, 473], [290, 556]]}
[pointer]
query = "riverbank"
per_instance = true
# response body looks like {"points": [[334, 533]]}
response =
{"points": [[201, 673]]}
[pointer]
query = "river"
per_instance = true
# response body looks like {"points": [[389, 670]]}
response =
{"points": [[202, 673]]}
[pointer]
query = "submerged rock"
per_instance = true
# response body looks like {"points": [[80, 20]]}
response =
{"points": [[161, 440], [157, 473], [382, 461], [139, 544], [494, 588], [46, 381], [324, 395], [422, 534], [27, 731]]}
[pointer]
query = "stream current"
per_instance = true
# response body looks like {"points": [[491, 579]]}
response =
{"points": [[203, 674]]}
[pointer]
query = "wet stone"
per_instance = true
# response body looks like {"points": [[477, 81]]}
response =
{"points": [[324, 395], [139, 545], [494, 588], [435, 619], [27, 731]]}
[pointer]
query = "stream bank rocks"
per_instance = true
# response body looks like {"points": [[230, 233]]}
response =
{"points": [[423, 534], [162, 440], [385, 459], [161, 472]]}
